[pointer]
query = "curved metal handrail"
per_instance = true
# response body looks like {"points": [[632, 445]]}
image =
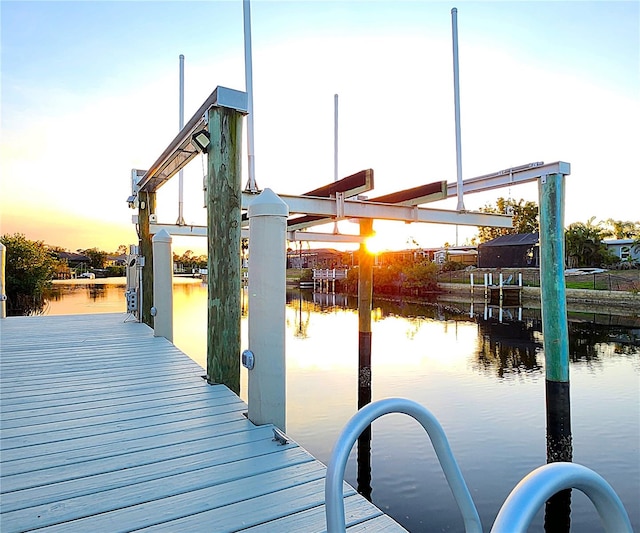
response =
{"points": [[537, 487], [334, 508]]}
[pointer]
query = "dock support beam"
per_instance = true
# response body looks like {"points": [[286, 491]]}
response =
{"points": [[3, 281], [162, 310], [267, 301], [555, 333], [224, 201]]}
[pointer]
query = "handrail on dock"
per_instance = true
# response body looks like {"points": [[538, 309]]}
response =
{"points": [[357, 424], [537, 487], [519, 508]]}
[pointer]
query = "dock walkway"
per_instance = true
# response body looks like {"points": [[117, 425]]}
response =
{"points": [[107, 428]]}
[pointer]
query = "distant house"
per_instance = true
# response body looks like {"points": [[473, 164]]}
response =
{"points": [[467, 255], [116, 260], [624, 249], [315, 258], [74, 260], [389, 257], [507, 251]]}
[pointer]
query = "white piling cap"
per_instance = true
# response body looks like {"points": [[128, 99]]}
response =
{"points": [[268, 203], [162, 236]]}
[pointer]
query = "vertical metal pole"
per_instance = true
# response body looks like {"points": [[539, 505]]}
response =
{"points": [[335, 149], [335, 137], [248, 76], [456, 102], [3, 286], [555, 334], [162, 309], [180, 221], [224, 200], [267, 303]]}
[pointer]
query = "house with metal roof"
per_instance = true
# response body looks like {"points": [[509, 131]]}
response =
{"points": [[509, 251]]}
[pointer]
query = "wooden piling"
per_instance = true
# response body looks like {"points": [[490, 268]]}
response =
{"points": [[224, 201], [147, 207], [365, 301], [555, 332]]}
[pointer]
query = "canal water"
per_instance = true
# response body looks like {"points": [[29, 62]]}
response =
{"points": [[483, 379]]}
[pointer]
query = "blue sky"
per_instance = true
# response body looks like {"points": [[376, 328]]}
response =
{"points": [[97, 82]]}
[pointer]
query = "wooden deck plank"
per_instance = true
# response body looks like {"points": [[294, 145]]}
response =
{"points": [[202, 474], [50, 409], [226, 422], [312, 520], [265, 507], [70, 424], [107, 428], [184, 505], [110, 472]]}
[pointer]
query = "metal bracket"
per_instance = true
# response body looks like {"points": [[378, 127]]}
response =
{"points": [[543, 179], [339, 205], [280, 437]]}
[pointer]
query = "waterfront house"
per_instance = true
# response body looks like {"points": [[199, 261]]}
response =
{"points": [[624, 249], [509, 251]]}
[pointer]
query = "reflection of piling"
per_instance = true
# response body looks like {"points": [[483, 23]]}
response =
{"points": [[556, 341], [365, 298]]}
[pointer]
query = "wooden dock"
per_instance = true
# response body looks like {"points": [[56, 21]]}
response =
{"points": [[107, 428]]}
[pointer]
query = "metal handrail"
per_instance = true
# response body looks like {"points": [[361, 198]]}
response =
{"points": [[536, 488], [334, 508]]}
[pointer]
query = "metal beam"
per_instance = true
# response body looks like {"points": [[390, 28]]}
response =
{"points": [[308, 236], [180, 151], [509, 176], [186, 231], [328, 207], [422, 194]]}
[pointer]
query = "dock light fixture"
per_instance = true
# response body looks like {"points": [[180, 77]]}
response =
{"points": [[201, 140]]}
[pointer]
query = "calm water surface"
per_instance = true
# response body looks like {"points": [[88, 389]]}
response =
{"points": [[483, 379]]}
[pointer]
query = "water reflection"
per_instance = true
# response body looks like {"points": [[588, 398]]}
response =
{"points": [[507, 348]]}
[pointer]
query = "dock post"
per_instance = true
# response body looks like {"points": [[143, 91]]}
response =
{"points": [[224, 217], [267, 302], [147, 207], [3, 286], [555, 334], [162, 310], [365, 301]]}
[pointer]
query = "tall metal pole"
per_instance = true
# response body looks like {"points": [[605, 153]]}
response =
{"points": [[456, 101], [248, 76], [555, 332], [335, 137], [180, 221], [335, 148]]}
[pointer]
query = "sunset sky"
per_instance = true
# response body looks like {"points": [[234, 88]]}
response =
{"points": [[90, 91]]}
